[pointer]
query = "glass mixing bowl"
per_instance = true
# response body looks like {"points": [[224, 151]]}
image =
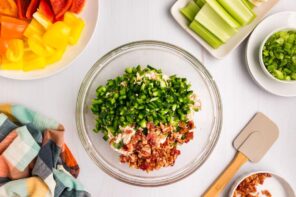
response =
{"points": [[171, 60]]}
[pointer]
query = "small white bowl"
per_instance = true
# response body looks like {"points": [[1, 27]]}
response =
{"points": [[261, 58], [277, 186]]}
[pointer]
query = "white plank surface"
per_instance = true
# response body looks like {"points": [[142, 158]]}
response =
{"points": [[129, 20]]}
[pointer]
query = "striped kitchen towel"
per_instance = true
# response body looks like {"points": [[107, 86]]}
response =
{"points": [[34, 160]]}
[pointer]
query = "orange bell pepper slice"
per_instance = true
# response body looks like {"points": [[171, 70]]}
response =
{"points": [[12, 27], [15, 50], [8, 7], [3, 46]]}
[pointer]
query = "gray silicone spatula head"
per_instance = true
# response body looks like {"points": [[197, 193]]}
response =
{"points": [[257, 137]]}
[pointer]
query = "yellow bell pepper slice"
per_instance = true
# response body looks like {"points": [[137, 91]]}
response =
{"points": [[33, 62], [56, 35], [42, 20], [76, 24], [9, 65], [37, 45], [34, 28], [55, 57], [15, 50]]}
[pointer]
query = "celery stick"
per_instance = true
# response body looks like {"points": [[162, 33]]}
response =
{"points": [[207, 36], [238, 10], [248, 4], [200, 3], [214, 23], [223, 14], [190, 10]]}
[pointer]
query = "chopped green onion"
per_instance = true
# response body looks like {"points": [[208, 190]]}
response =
{"points": [[279, 55], [139, 96]]}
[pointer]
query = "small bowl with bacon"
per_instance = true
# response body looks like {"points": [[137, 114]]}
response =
{"points": [[261, 183]]}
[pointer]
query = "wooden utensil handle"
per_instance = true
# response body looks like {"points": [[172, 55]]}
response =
{"points": [[226, 176]]}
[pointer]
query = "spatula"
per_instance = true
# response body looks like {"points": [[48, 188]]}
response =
{"points": [[251, 145]]}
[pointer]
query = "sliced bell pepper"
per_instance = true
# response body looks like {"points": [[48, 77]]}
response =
{"points": [[15, 50], [3, 46], [12, 27], [57, 5], [37, 45], [56, 35], [8, 7], [60, 7], [56, 56], [46, 10], [22, 6], [77, 6], [9, 65], [76, 24], [42, 19], [34, 28], [32, 8], [62, 12], [33, 62]]}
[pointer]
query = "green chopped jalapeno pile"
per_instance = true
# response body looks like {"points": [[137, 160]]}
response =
{"points": [[279, 55], [139, 96]]}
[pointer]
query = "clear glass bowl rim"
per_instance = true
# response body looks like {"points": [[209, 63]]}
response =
{"points": [[87, 82]]}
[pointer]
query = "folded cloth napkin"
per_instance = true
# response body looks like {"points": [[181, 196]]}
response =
{"points": [[34, 160]]}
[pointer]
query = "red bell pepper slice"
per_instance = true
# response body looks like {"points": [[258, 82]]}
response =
{"points": [[12, 27], [60, 7], [46, 10], [32, 8], [77, 6], [22, 6]]}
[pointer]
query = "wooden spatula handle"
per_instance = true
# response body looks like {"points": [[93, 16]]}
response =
{"points": [[226, 176]]}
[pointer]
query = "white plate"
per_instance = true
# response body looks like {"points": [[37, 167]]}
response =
{"points": [[285, 19], [231, 44], [275, 184], [90, 16]]}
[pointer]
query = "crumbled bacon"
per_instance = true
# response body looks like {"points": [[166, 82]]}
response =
{"points": [[247, 188], [188, 136], [266, 193], [146, 151], [128, 131]]}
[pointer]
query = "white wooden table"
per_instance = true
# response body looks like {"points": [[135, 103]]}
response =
{"points": [[129, 20]]}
